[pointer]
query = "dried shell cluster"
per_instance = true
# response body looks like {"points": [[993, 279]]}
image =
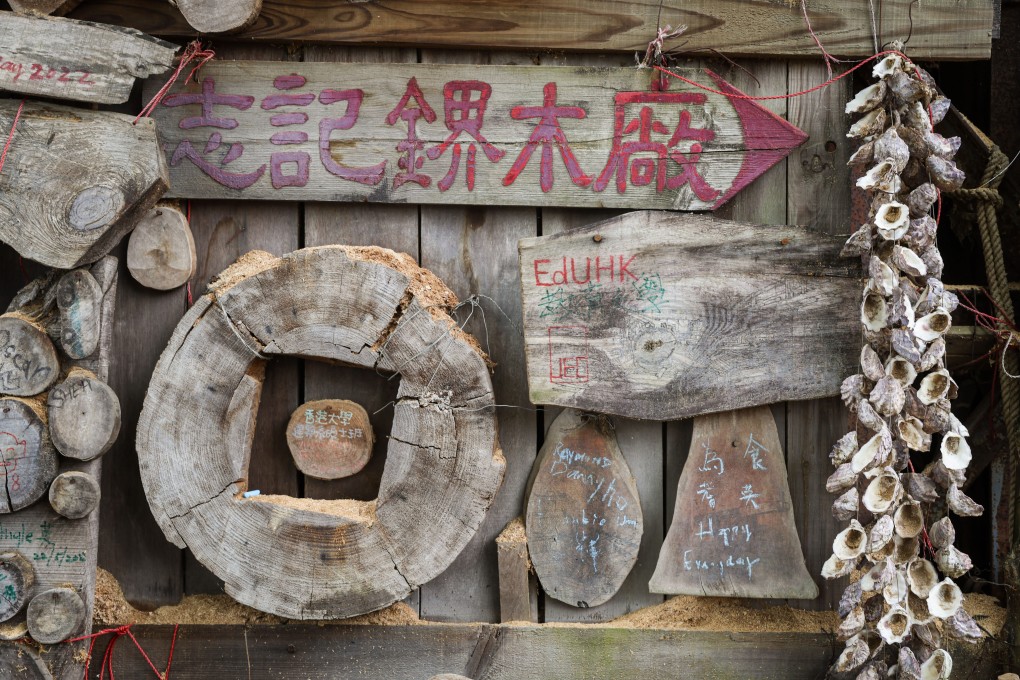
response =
{"points": [[896, 613]]}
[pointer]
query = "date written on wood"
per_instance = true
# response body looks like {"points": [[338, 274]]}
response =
{"points": [[330, 438], [465, 134]]}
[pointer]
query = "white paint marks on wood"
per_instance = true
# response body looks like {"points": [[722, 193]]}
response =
{"points": [[161, 250]]}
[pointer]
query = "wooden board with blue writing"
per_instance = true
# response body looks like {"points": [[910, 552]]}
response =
{"points": [[465, 134], [733, 531], [661, 316]]}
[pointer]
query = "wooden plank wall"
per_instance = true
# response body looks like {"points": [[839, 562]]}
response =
{"points": [[474, 250]]}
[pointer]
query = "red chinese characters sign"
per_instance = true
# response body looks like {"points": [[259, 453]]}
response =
{"points": [[488, 135]]}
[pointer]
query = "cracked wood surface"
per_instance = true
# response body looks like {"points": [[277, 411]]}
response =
{"points": [[363, 307]]}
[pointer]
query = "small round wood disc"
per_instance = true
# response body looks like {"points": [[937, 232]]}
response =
{"points": [[84, 415], [29, 460], [161, 251], [74, 494], [17, 578], [330, 438], [28, 360], [80, 300], [55, 615]]}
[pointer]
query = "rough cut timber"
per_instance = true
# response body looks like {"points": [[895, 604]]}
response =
{"points": [[75, 181], [366, 307], [466, 134], [661, 316], [57, 7], [518, 594], [584, 520], [218, 16], [942, 29], [733, 532], [77, 60]]}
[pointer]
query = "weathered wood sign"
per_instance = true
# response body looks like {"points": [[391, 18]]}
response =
{"points": [[76, 60], [512, 135], [661, 316], [330, 438], [733, 532], [75, 181], [584, 521]]}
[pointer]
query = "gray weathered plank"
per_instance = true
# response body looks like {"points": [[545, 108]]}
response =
{"points": [[658, 315], [942, 29], [77, 60], [534, 135], [518, 593]]}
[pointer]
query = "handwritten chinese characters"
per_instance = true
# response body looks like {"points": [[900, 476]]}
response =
{"points": [[330, 438], [464, 134], [733, 532], [584, 520]]}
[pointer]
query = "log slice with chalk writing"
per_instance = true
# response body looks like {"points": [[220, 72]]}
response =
{"points": [[17, 578], [29, 459], [84, 415], [330, 438], [584, 520], [28, 359], [364, 307], [161, 249]]}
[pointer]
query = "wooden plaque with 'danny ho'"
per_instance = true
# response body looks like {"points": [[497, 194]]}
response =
{"points": [[733, 531], [330, 438]]}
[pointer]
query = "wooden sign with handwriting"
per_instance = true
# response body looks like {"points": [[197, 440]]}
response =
{"points": [[465, 134], [661, 316], [733, 531]]}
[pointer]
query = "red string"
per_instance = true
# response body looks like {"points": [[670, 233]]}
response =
{"points": [[192, 53], [10, 137], [191, 298], [118, 633]]}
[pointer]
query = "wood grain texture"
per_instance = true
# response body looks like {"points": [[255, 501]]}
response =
{"points": [[84, 416], [219, 16], [29, 459], [518, 595], [330, 438], [76, 60], [56, 7], [55, 615], [650, 298], [405, 134], [17, 577], [161, 250], [75, 181], [941, 30], [79, 303], [28, 360], [74, 494]]}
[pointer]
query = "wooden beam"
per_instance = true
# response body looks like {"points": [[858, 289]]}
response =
{"points": [[942, 29]]}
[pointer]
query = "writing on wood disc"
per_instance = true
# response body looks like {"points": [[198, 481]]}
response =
{"points": [[161, 250], [29, 460], [28, 360], [74, 494], [55, 615], [84, 416], [79, 299], [584, 519], [330, 438], [733, 532], [17, 578]]}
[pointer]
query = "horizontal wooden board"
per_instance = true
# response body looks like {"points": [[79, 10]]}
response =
{"points": [[464, 134], [941, 29], [661, 316]]}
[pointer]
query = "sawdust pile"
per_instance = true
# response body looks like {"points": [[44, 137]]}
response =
{"points": [[687, 612]]}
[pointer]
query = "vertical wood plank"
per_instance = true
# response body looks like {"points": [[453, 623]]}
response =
{"points": [[819, 197]]}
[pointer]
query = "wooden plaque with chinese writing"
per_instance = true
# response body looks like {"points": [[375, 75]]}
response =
{"points": [[661, 316], [584, 520], [733, 531], [330, 438], [465, 134]]}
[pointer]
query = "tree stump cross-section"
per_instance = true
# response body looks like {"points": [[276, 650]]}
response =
{"points": [[366, 307]]}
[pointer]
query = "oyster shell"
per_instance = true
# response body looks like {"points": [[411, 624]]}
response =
{"points": [[892, 220], [955, 451], [894, 626], [883, 491], [871, 365], [881, 533], [902, 370], [921, 199], [874, 311], [908, 262], [871, 124], [945, 599], [882, 177], [890, 148], [859, 242], [933, 326], [961, 504], [920, 487], [934, 387], [953, 562], [922, 577], [944, 173], [836, 568], [942, 533], [887, 395], [909, 519], [911, 431], [850, 543], [962, 625], [844, 448], [867, 99], [843, 478], [847, 505]]}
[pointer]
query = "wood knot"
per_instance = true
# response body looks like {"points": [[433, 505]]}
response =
{"points": [[597, 238]]}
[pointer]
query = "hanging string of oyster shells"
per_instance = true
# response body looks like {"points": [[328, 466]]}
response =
{"points": [[896, 614]]}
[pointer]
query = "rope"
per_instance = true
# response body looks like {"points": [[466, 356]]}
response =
{"points": [[10, 137], [118, 633]]}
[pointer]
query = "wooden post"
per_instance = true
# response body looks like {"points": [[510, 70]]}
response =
{"points": [[517, 593]]}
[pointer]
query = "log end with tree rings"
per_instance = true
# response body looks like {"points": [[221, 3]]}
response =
{"points": [[17, 579], [74, 495], [224, 16], [304, 558], [55, 615], [29, 461], [79, 301], [330, 438], [84, 415], [28, 359], [161, 250]]}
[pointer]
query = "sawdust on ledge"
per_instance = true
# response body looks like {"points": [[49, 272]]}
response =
{"points": [[686, 612], [358, 511]]}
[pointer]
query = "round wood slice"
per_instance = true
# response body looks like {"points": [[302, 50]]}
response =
{"points": [[55, 615], [330, 438], [80, 300], [28, 360], [365, 307], [17, 579], [74, 494], [84, 416], [29, 459], [222, 16], [584, 520], [161, 250], [22, 662]]}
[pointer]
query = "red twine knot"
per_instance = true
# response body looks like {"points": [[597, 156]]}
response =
{"points": [[192, 53]]}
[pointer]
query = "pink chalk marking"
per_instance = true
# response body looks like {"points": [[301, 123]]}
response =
{"points": [[294, 137], [275, 101], [291, 82], [282, 119]]}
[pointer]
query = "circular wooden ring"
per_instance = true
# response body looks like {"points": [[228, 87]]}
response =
{"points": [[305, 559]]}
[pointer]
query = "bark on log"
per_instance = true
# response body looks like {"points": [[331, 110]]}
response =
{"points": [[79, 300], [84, 416], [28, 360], [330, 438], [74, 494], [55, 615], [77, 60], [17, 579], [75, 181], [29, 459], [219, 16], [161, 251], [366, 307]]}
